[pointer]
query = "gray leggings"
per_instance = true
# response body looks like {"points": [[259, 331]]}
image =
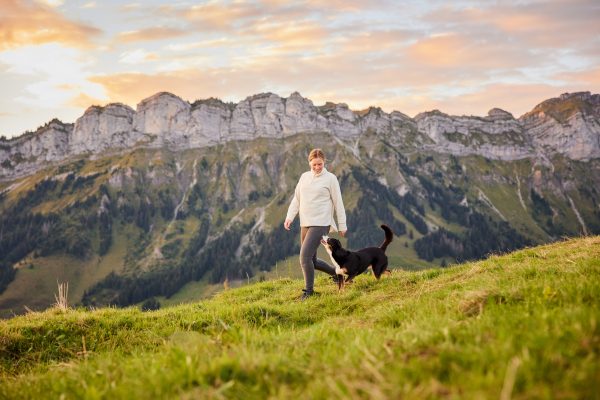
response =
{"points": [[310, 239]]}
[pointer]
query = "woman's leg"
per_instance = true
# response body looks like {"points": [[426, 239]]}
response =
{"points": [[323, 266], [310, 239]]}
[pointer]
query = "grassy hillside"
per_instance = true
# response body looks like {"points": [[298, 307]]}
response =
{"points": [[522, 325]]}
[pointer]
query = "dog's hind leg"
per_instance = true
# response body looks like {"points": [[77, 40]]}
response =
{"points": [[379, 269], [340, 282]]}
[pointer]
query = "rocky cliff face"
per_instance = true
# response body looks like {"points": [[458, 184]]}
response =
{"points": [[569, 125], [101, 128], [497, 136]]}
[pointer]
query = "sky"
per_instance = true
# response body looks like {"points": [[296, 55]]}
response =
{"points": [[58, 57]]}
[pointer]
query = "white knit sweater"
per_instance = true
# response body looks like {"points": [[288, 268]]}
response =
{"points": [[315, 197]]}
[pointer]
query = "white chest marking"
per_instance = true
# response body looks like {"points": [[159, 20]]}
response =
{"points": [[338, 269]]}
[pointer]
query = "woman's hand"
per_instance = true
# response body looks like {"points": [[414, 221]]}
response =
{"points": [[287, 224], [343, 233]]}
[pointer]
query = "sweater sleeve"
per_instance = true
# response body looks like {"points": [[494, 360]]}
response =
{"points": [[338, 204], [295, 204]]}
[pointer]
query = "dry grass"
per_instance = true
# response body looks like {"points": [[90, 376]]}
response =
{"points": [[62, 297]]}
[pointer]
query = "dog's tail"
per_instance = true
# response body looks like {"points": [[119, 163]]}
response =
{"points": [[388, 237]]}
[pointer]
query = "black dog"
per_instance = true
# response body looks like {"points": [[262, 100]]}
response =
{"points": [[349, 264]]}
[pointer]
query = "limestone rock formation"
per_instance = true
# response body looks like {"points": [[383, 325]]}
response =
{"points": [[568, 125]]}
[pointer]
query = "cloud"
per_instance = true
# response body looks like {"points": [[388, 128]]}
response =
{"points": [[83, 101], [326, 78], [50, 84], [131, 88], [267, 27], [517, 99], [52, 3], [280, 38], [457, 51], [303, 34], [137, 56], [375, 40], [131, 6], [221, 16], [203, 44], [149, 34], [588, 79], [462, 59], [547, 24], [266, 18], [29, 23]]}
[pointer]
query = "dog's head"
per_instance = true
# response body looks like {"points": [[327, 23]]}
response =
{"points": [[330, 244]]}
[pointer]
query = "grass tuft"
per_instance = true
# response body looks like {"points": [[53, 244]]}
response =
{"points": [[62, 297]]}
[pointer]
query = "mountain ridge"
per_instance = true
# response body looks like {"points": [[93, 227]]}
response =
{"points": [[567, 125]]}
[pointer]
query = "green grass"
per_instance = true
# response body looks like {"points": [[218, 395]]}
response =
{"points": [[522, 325], [191, 292]]}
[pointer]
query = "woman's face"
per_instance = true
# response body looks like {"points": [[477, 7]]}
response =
{"points": [[316, 165]]}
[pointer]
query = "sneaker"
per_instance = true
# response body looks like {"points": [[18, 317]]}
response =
{"points": [[306, 294], [335, 278]]}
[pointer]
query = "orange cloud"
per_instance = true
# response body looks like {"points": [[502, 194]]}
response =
{"points": [[549, 24], [443, 50], [383, 90], [83, 101], [333, 6], [365, 41], [291, 37], [137, 56], [517, 99], [131, 88], [588, 78], [221, 16], [157, 33], [244, 18], [467, 54], [31, 23], [301, 34]]}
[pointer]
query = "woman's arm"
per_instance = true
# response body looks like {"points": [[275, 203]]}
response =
{"points": [[338, 204], [293, 208]]}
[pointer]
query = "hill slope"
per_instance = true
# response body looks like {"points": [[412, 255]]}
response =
{"points": [[523, 324]]}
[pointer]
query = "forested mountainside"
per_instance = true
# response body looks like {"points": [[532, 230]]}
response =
{"points": [[127, 205]]}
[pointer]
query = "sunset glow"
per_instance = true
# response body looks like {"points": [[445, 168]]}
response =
{"points": [[59, 57]]}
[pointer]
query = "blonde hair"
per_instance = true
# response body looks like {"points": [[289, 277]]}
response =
{"points": [[316, 153]]}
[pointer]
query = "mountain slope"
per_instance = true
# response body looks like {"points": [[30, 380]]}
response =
{"points": [[521, 325], [123, 225]]}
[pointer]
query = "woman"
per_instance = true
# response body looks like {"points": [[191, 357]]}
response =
{"points": [[317, 194]]}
